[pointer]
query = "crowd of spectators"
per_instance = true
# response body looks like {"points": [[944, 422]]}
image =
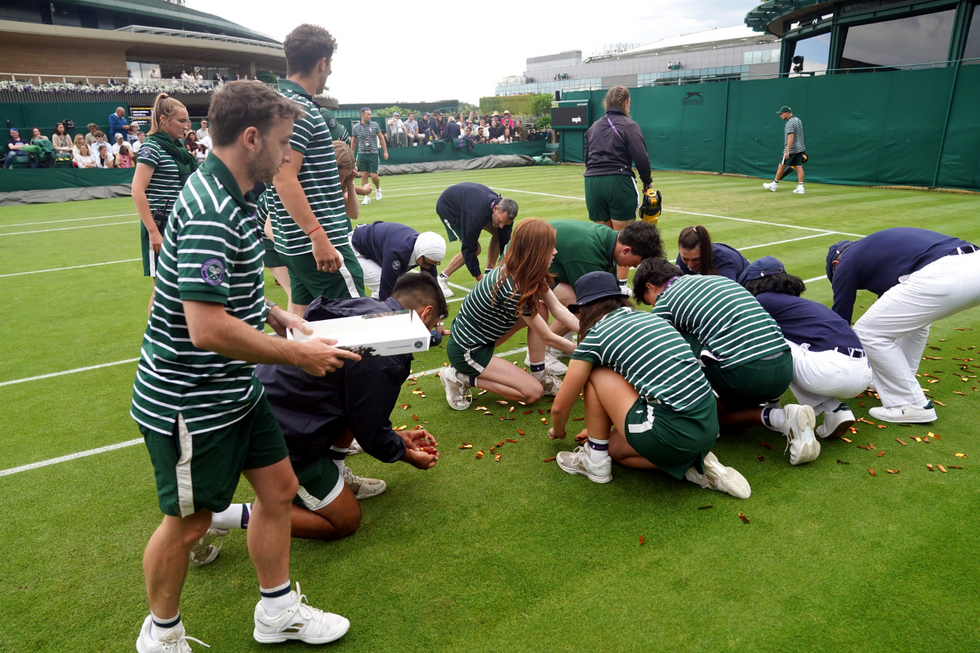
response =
{"points": [[460, 129]]}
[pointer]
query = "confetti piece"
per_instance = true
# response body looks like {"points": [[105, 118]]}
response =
{"points": [[507, 419], [544, 421], [917, 438], [509, 440], [957, 392], [548, 460], [881, 453], [502, 402], [861, 446], [480, 408], [404, 406], [853, 429], [743, 518], [766, 445], [933, 381], [466, 446], [497, 459], [500, 444], [935, 348], [932, 435], [481, 393], [871, 445], [960, 455], [520, 431], [939, 403], [540, 412], [641, 540], [871, 471], [704, 507], [900, 442], [492, 449], [469, 443], [882, 426], [479, 454], [522, 403], [401, 428], [927, 440], [931, 468], [761, 458], [954, 466], [527, 412], [842, 462], [512, 409], [415, 417], [892, 471], [577, 419], [846, 440], [964, 329], [941, 468], [417, 392], [862, 404]]}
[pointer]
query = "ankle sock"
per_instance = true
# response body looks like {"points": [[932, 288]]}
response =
{"points": [[159, 627], [338, 454], [471, 380], [276, 599], [537, 370], [598, 449], [443, 275], [235, 516], [773, 418]]}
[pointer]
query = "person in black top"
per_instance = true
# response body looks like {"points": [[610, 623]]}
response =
{"points": [[466, 209], [612, 145], [321, 415], [698, 255]]}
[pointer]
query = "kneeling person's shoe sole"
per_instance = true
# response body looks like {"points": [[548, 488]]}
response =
{"points": [[800, 440], [301, 622]]}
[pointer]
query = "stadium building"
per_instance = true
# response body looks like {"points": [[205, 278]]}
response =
{"points": [[95, 41]]}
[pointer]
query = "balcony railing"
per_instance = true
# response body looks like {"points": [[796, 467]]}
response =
{"points": [[203, 36]]}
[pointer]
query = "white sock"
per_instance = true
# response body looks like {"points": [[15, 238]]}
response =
{"points": [[160, 627], [774, 419], [537, 370], [598, 449], [235, 516], [277, 599], [338, 456]]}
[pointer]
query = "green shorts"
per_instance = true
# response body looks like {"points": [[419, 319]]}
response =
{"points": [[795, 159], [750, 384], [201, 471], [471, 361], [452, 230], [320, 483], [145, 249], [271, 257], [367, 162], [307, 283], [611, 197], [673, 441]]}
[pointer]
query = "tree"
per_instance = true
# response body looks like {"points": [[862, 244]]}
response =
{"points": [[541, 104]]}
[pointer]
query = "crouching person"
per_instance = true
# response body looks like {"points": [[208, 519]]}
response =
{"points": [[647, 403]]}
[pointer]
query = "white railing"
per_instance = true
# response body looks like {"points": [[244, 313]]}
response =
{"points": [[203, 36]]}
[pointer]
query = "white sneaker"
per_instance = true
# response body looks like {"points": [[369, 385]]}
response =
{"points": [[457, 394], [363, 488], [367, 200], [770, 186], [580, 461], [175, 641], [551, 384], [798, 429], [719, 478], [907, 414], [299, 621], [551, 364], [625, 290], [354, 448], [558, 353], [799, 190], [835, 424], [444, 285], [377, 194], [206, 549]]}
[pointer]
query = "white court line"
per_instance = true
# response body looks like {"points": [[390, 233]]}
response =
{"points": [[74, 267], [80, 369], [88, 226], [456, 285], [707, 215], [129, 443], [791, 240], [398, 197], [100, 217], [822, 277], [74, 456]]}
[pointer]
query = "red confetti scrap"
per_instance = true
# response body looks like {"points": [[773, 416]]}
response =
{"points": [[548, 460], [941, 468], [641, 540], [540, 412], [479, 454], [871, 471], [931, 468], [509, 440], [761, 458], [846, 440], [955, 467], [743, 518], [577, 419], [766, 445], [900, 442], [520, 431], [861, 446], [842, 462], [527, 412], [881, 453]]}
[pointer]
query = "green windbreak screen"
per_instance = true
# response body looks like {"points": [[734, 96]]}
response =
{"points": [[961, 152]]}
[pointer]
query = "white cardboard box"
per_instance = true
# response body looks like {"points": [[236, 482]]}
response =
{"points": [[378, 334]]}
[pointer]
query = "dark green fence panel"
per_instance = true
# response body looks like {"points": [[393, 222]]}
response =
{"points": [[683, 126], [960, 166]]}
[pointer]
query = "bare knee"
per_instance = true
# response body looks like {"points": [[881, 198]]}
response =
{"points": [[532, 392], [194, 527]]}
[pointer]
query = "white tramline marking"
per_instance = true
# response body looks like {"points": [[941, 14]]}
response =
{"points": [[822, 277], [456, 285], [74, 456], [80, 369], [98, 217], [88, 226], [791, 240], [74, 267]]}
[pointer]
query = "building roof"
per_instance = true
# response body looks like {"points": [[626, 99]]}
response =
{"points": [[737, 35], [772, 15]]}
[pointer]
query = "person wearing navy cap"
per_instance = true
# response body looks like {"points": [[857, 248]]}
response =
{"points": [[828, 359], [648, 405], [920, 276], [698, 255]]}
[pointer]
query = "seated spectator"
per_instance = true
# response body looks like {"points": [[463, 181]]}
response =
{"points": [[99, 140], [131, 134], [203, 132], [440, 123], [14, 146], [141, 137], [505, 138], [118, 144], [90, 136], [507, 121], [103, 157], [517, 133], [76, 147], [412, 130], [468, 134], [61, 140], [496, 129], [201, 153], [190, 142], [481, 136], [125, 157], [37, 135], [118, 123], [84, 159], [396, 131], [451, 132]]}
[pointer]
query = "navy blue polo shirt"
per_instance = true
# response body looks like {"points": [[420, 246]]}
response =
{"points": [[806, 321], [390, 245], [728, 261]]}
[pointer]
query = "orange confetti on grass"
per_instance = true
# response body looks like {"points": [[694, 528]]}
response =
{"points": [[641, 540], [743, 518], [931, 468], [941, 468], [766, 445], [520, 432], [871, 471], [881, 453], [548, 460], [892, 471], [900, 442], [846, 440], [479, 454], [960, 455]]}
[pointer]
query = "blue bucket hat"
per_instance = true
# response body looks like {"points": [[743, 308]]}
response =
{"points": [[834, 254], [765, 266], [593, 286]]}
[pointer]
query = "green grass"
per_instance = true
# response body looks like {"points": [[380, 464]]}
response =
{"points": [[508, 556]]}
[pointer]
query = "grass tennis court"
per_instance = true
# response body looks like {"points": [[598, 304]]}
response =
{"points": [[515, 555]]}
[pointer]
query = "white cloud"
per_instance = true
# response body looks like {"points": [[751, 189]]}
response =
{"points": [[410, 52]]}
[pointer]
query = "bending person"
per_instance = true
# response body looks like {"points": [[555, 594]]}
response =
{"points": [[698, 255], [744, 355], [514, 295], [647, 403], [387, 250], [828, 359]]}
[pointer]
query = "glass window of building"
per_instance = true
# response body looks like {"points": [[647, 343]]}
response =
{"points": [[972, 50], [815, 52], [900, 43]]}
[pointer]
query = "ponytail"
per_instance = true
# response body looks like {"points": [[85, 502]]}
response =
{"points": [[163, 106], [698, 237]]}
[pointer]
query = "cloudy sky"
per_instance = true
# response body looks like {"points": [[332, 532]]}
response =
{"points": [[408, 51]]}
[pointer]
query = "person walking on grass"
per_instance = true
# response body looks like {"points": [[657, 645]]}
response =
{"points": [[740, 346], [365, 138], [613, 144], [513, 296], [794, 152], [201, 410], [647, 403]]}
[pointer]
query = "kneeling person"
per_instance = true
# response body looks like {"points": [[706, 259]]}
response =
{"points": [[387, 250]]}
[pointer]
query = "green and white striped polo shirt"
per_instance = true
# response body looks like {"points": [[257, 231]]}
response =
{"points": [[486, 315], [164, 186], [211, 253], [794, 126], [367, 136], [648, 353], [723, 316], [318, 176]]}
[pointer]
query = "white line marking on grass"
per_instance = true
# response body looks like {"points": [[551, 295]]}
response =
{"points": [[822, 277], [398, 197], [74, 267], [98, 217], [88, 226], [439, 369], [791, 240], [80, 369], [456, 285], [74, 456]]}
